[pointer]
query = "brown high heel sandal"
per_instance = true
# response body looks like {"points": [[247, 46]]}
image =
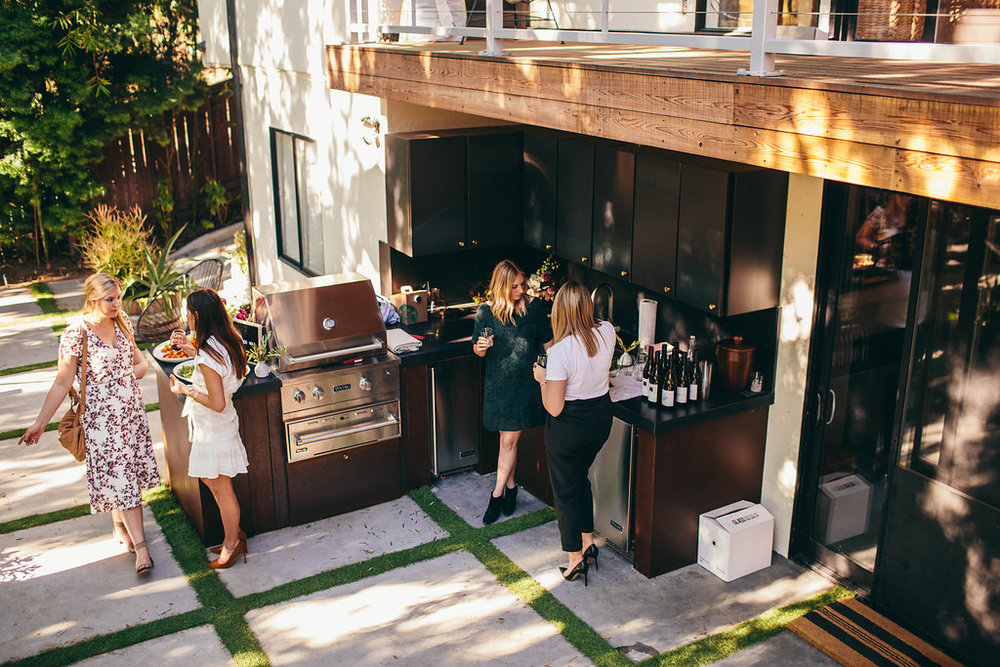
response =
{"points": [[217, 549], [127, 542], [145, 567], [241, 548]]}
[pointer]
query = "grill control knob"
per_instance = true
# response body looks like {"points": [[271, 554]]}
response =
{"points": [[298, 396], [365, 384], [317, 392]]}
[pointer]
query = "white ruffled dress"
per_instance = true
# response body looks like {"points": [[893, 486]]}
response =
{"points": [[216, 446]]}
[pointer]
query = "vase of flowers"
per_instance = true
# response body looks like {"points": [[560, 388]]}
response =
{"points": [[258, 354], [543, 283]]}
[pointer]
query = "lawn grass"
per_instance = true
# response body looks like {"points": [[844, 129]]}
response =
{"points": [[44, 298]]}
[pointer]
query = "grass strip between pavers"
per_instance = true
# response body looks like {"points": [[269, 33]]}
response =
{"points": [[716, 647], [580, 635], [44, 298], [29, 367], [51, 426], [36, 520]]}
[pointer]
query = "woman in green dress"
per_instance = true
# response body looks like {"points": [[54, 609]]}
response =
{"points": [[510, 332]]}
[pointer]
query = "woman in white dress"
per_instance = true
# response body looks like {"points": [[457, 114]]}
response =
{"points": [[217, 452]]}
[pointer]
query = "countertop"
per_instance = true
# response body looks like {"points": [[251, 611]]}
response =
{"points": [[252, 385], [452, 337]]}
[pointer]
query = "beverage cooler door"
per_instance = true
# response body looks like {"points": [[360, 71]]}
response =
{"points": [[611, 481]]}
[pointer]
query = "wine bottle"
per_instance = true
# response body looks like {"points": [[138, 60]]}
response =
{"points": [[682, 380], [654, 389], [669, 390], [645, 371], [694, 391]]}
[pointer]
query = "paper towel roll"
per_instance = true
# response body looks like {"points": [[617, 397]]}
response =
{"points": [[647, 322]]}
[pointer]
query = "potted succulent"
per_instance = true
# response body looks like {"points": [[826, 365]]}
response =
{"points": [[625, 360], [258, 353]]}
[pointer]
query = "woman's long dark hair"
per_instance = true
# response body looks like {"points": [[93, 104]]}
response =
{"points": [[211, 319]]}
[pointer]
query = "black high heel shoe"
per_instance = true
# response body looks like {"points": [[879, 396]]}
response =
{"points": [[590, 555], [574, 574]]}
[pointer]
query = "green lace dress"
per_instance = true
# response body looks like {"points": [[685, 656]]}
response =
{"points": [[512, 399]]}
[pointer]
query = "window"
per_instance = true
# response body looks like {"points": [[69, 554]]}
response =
{"points": [[297, 220]]}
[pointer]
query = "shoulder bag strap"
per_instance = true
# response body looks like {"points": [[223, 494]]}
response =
{"points": [[83, 377]]}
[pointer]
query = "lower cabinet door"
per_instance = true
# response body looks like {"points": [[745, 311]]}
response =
{"points": [[343, 481]]}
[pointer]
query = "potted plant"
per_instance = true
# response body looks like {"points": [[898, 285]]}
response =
{"points": [[258, 353], [625, 360], [159, 277]]}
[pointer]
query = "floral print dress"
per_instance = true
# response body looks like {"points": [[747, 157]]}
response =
{"points": [[120, 461]]}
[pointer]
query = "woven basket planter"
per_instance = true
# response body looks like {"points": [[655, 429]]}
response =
{"points": [[890, 20]]}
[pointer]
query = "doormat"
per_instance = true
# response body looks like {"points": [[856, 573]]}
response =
{"points": [[853, 633]]}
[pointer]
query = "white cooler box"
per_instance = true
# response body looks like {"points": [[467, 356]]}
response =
{"points": [[842, 512], [735, 540]]}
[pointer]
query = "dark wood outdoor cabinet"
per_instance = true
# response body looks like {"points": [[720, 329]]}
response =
{"points": [[729, 241], [574, 199], [494, 188], [425, 184], [539, 191], [614, 188], [654, 224]]}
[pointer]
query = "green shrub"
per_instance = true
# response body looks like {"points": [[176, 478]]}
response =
{"points": [[116, 243], [216, 200]]}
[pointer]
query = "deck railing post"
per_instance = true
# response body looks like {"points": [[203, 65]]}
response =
{"points": [[765, 28], [374, 19], [494, 22]]}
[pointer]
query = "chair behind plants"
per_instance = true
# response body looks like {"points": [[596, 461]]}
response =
{"points": [[159, 318], [206, 274]]}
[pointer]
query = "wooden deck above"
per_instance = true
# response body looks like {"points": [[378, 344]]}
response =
{"points": [[932, 129]]}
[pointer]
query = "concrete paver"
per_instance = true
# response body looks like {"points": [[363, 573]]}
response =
{"points": [[71, 580], [197, 646], [468, 494], [17, 303], [649, 616], [68, 293], [44, 477], [24, 393], [445, 611], [785, 649], [29, 342], [297, 552]]}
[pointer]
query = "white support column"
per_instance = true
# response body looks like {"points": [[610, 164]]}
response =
{"points": [[494, 22], [605, 20], [373, 19], [765, 28]]}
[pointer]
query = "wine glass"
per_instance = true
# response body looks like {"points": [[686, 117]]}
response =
{"points": [[487, 332]]}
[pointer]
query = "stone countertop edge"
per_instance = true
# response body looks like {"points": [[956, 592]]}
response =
{"points": [[252, 385]]}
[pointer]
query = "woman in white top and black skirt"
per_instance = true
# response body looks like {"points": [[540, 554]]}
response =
{"points": [[575, 394]]}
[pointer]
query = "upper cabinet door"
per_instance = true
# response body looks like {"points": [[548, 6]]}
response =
{"points": [[426, 193], [539, 183], [701, 237], [756, 241], [614, 190], [495, 189], [654, 225], [574, 199]]}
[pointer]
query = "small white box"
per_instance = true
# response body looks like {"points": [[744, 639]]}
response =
{"points": [[843, 504], [735, 540]]}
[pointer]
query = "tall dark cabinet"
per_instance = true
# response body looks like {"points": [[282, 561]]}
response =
{"points": [[614, 188], [494, 188], [539, 191], [654, 225], [574, 199]]}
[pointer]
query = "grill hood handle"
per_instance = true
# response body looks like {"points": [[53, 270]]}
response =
{"points": [[370, 347]]}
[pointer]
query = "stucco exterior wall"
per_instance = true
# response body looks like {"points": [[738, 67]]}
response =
{"points": [[798, 288]]}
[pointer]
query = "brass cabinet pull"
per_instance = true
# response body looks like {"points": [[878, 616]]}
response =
{"points": [[711, 306], [583, 259], [666, 289], [461, 244], [475, 242], [548, 246], [624, 273], [346, 457]]}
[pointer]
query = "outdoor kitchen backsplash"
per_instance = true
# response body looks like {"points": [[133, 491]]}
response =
{"points": [[457, 274]]}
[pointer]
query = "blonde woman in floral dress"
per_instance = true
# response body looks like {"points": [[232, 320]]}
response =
{"points": [[120, 461]]}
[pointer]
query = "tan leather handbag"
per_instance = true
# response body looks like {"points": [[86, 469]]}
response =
{"points": [[71, 425]]}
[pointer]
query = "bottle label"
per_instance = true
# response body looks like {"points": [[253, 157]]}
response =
{"points": [[693, 392], [668, 399], [682, 394], [652, 393]]}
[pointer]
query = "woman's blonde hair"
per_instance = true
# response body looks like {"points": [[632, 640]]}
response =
{"points": [[504, 275], [573, 315], [96, 287]]}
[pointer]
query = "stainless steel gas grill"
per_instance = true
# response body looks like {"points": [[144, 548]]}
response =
{"points": [[339, 393]]}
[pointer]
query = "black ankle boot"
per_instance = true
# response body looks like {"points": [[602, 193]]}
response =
{"points": [[509, 500], [493, 510]]}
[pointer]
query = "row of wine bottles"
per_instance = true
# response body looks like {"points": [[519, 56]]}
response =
{"points": [[671, 379]]}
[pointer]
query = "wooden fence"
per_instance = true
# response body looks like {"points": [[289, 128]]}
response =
{"points": [[201, 145]]}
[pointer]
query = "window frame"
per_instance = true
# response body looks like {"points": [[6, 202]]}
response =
{"points": [[300, 263]]}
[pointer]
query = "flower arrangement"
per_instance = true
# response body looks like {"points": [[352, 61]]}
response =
{"points": [[625, 359], [262, 351], [543, 284]]}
